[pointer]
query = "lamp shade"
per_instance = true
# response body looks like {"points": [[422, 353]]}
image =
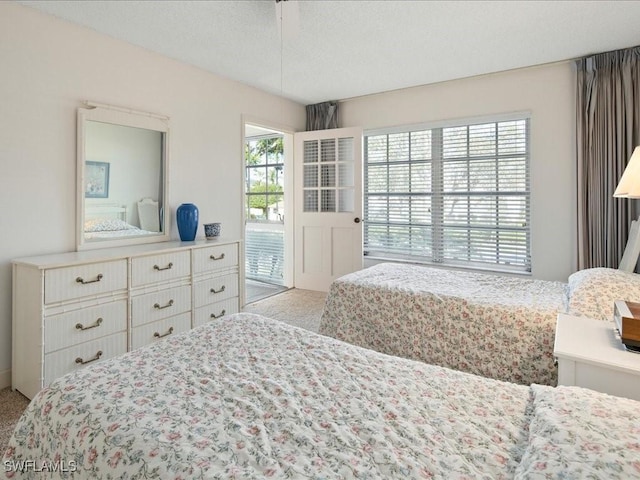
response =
{"points": [[629, 185]]}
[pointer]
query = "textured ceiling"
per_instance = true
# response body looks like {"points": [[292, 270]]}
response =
{"points": [[342, 49]]}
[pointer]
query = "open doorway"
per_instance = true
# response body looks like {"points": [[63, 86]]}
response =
{"points": [[267, 244]]}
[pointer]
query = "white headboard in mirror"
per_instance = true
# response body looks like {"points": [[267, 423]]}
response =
{"points": [[105, 211], [123, 159]]}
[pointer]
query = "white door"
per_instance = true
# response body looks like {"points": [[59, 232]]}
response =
{"points": [[328, 206]]}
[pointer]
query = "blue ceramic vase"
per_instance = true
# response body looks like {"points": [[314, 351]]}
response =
{"points": [[187, 219]]}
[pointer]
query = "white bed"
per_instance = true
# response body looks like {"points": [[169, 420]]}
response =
{"points": [[252, 398], [109, 221], [490, 325]]}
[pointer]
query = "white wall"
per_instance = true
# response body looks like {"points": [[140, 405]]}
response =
{"points": [[48, 67], [548, 92]]}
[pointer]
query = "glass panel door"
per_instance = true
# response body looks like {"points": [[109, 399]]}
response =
{"points": [[329, 175], [264, 208]]}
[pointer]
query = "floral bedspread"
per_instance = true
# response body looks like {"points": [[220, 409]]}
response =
{"points": [[577, 433], [248, 397], [496, 326], [592, 292]]}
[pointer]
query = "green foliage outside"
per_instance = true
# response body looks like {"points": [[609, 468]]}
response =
{"points": [[260, 201], [258, 151], [267, 152]]}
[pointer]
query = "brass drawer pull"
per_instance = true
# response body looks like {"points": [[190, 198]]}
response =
{"points": [[79, 326], [222, 313], [220, 290], [85, 282], [169, 332], [84, 362], [213, 257], [168, 267], [157, 305]]}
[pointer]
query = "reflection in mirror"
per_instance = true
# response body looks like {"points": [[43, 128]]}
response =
{"points": [[122, 160]]}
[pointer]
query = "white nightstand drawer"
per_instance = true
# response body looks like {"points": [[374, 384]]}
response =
{"points": [[160, 268], [72, 328], [84, 280], [600, 378], [72, 358], [216, 257], [215, 310], [162, 304], [216, 289], [152, 332]]}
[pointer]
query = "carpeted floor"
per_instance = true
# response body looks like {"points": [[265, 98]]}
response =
{"points": [[301, 308], [12, 404]]}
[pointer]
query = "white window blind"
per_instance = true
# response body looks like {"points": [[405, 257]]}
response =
{"points": [[264, 253], [328, 175], [454, 195]]}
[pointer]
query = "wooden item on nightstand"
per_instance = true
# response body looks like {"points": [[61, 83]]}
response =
{"points": [[590, 355], [626, 316]]}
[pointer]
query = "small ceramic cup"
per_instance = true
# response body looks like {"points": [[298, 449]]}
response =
{"points": [[212, 230]]}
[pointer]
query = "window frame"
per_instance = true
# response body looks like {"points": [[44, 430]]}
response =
{"points": [[263, 237], [438, 195], [266, 165]]}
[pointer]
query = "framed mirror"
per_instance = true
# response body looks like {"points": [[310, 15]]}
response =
{"points": [[123, 160]]}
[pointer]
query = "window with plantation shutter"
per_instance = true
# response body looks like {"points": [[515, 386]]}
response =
{"points": [[451, 194]]}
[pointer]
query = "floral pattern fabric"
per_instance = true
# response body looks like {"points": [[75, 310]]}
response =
{"points": [[500, 327], [252, 398], [578, 433], [248, 397], [107, 225], [592, 292]]}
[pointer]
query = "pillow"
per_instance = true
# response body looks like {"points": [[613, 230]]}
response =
{"points": [[593, 291], [107, 225]]}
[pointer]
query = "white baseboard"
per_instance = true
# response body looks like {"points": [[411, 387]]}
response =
{"points": [[5, 379]]}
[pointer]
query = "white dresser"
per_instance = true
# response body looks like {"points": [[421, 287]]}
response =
{"points": [[76, 308]]}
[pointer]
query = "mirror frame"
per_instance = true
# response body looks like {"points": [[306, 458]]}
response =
{"points": [[128, 118]]}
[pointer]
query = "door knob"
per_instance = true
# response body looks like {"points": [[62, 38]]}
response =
{"points": [[356, 220]]}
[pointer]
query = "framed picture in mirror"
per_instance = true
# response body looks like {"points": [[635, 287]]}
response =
{"points": [[96, 180]]}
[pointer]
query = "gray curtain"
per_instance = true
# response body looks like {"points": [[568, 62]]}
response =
{"points": [[608, 129], [322, 116]]}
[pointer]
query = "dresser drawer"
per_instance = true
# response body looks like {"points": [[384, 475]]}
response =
{"points": [[72, 358], [79, 281], [216, 257], [72, 328], [216, 289], [215, 311], [160, 268], [155, 331], [162, 304]]}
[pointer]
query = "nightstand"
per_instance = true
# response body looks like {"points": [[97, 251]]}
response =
{"points": [[590, 354]]}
